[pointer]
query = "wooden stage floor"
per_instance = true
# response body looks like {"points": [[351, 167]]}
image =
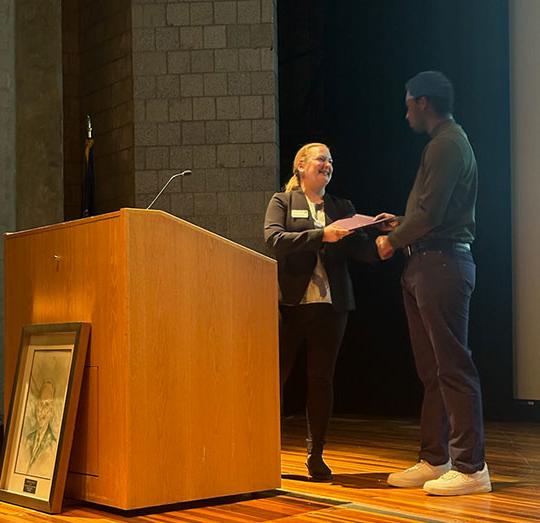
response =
{"points": [[361, 453]]}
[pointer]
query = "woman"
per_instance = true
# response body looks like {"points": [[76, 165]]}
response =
{"points": [[315, 286]]}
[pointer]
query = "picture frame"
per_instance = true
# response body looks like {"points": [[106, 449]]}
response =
{"points": [[42, 414]]}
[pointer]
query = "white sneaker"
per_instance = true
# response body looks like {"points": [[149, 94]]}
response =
{"points": [[418, 474], [456, 483]]}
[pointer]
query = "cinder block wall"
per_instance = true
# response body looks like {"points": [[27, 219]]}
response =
{"points": [[205, 99], [175, 85]]}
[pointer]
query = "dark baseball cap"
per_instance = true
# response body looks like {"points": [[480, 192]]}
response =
{"points": [[430, 83]]}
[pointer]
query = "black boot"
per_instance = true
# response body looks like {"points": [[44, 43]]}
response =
{"points": [[318, 470]]}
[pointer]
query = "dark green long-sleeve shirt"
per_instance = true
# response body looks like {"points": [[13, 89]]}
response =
{"points": [[442, 201]]}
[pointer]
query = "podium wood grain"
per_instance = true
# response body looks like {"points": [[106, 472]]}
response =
{"points": [[180, 399]]}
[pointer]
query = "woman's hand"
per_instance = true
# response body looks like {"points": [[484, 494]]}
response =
{"points": [[388, 225], [333, 233]]}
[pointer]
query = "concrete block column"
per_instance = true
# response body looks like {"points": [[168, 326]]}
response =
{"points": [[205, 98], [7, 146], [39, 132]]}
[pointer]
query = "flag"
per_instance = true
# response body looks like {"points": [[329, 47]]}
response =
{"points": [[89, 177]]}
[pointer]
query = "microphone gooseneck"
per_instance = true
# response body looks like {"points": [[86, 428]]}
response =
{"points": [[187, 172]]}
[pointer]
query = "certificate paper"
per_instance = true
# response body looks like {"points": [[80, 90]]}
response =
{"points": [[358, 221]]}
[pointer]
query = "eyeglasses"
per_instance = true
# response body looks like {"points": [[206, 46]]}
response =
{"points": [[323, 159]]}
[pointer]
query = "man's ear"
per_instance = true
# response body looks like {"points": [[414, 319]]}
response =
{"points": [[422, 102]]}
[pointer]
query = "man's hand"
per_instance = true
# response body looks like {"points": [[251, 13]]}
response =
{"points": [[384, 247], [389, 225], [334, 233]]}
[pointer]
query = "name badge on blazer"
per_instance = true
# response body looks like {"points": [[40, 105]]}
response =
{"points": [[299, 213]]}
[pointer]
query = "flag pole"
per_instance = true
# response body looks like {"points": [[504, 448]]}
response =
{"points": [[89, 181]]}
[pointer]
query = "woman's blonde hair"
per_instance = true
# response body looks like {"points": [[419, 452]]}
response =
{"points": [[294, 182]]}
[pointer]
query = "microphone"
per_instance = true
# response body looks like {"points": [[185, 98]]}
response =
{"points": [[187, 172]]}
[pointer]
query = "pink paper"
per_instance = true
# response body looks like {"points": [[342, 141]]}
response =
{"points": [[358, 221]]}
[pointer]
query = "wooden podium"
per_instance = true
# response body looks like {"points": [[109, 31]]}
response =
{"points": [[180, 397]]}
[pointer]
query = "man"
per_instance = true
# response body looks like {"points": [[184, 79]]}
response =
{"points": [[39, 450], [435, 235]]}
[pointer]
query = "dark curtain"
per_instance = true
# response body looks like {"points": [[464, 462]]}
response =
{"points": [[342, 69]]}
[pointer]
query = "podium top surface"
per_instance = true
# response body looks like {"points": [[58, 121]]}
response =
{"points": [[127, 212]]}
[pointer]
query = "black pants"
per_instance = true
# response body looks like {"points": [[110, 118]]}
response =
{"points": [[437, 287], [321, 328]]}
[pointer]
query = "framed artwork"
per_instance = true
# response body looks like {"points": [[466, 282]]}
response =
{"points": [[42, 413]]}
